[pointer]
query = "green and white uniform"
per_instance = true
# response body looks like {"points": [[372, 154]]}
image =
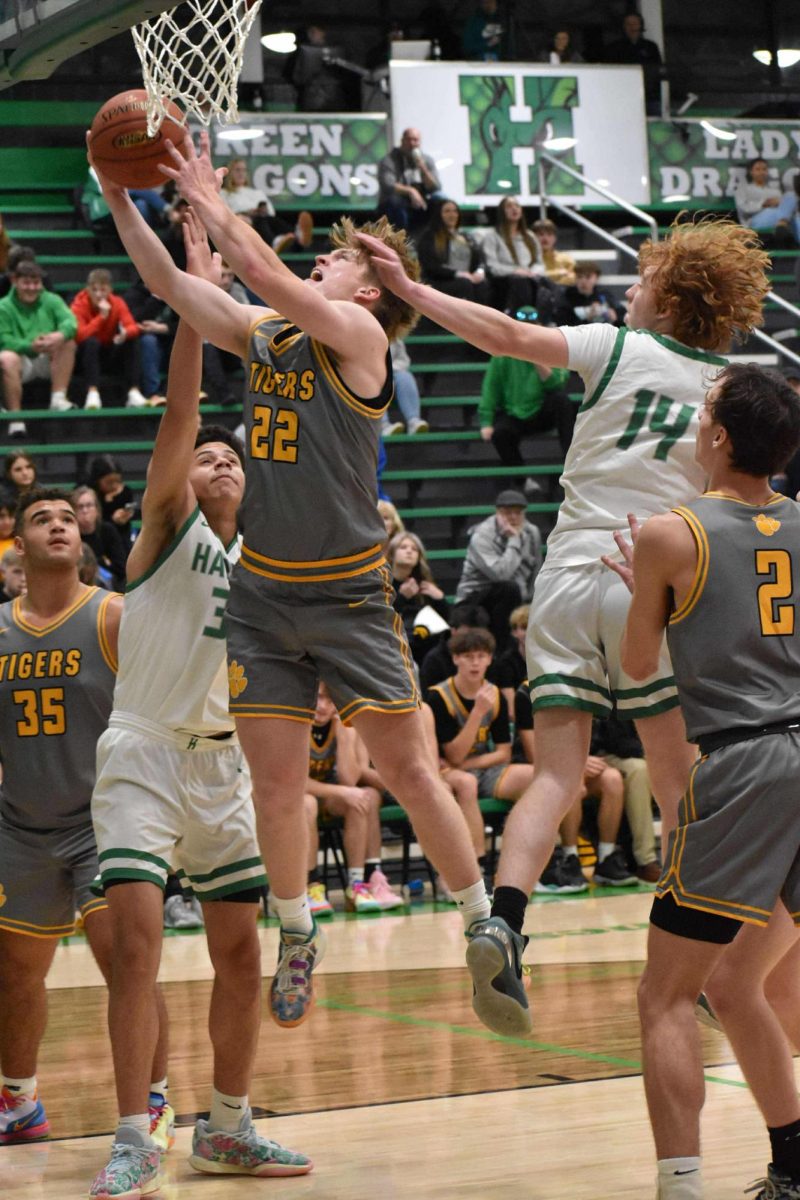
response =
{"points": [[56, 688], [173, 789], [735, 647], [632, 451], [311, 596]]}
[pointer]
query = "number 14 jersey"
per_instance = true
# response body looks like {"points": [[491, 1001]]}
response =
{"points": [[634, 440]]}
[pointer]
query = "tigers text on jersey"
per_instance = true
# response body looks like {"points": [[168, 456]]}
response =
{"points": [[739, 620], [172, 638], [56, 689], [310, 506], [634, 440]]}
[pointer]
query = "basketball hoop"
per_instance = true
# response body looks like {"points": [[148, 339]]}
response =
{"points": [[197, 63]]}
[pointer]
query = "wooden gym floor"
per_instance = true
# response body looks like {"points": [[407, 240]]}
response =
{"points": [[392, 1086]]}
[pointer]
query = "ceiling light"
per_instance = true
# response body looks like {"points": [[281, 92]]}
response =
{"points": [[725, 135], [279, 43], [239, 135], [676, 198], [559, 143], [786, 58]]}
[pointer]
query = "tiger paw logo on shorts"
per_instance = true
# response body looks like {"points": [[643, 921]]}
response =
{"points": [[237, 680], [3, 896], [766, 525]]}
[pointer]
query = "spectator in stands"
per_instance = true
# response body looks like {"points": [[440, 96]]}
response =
{"points": [[485, 33], [254, 206], [108, 337], [765, 207], [173, 237], [451, 260], [5, 245], [634, 48], [560, 49], [415, 590], [408, 183], [12, 576], [406, 394], [16, 255], [514, 263], [617, 743], [464, 787], [587, 302], [438, 664], [788, 482], [149, 201], [37, 341], [559, 267], [6, 525], [156, 324], [19, 476], [510, 669], [504, 554], [117, 501], [109, 546], [392, 520], [222, 371], [521, 398], [322, 85], [88, 571]]}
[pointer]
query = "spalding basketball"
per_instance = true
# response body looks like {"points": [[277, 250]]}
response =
{"points": [[121, 147]]}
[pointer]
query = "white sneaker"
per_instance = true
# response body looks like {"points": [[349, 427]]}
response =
{"points": [[93, 399], [418, 425], [391, 428], [17, 429], [60, 403], [135, 399]]}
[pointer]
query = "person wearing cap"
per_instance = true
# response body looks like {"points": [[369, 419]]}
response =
{"points": [[504, 555], [519, 398]]}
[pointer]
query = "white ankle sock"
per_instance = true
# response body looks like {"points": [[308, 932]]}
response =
{"points": [[58, 395], [139, 1121], [570, 850], [473, 903], [355, 875], [294, 914], [604, 849], [226, 1111], [680, 1179], [21, 1087]]}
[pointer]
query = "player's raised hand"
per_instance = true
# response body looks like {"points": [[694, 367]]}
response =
{"points": [[107, 186], [193, 173], [625, 568], [199, 259], [387, 263]]}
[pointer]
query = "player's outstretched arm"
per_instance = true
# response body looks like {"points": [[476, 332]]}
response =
{"points": [[478, 324]]}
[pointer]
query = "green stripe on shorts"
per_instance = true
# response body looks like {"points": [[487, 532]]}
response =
{"points": [[245, 864], [590, 706], [123, 852], [131, 875]]}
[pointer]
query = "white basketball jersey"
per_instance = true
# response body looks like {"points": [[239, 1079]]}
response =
{"points": [[633, 445], [172, 653]]}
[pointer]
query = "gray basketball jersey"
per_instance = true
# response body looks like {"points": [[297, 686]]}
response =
{"points": [[56, 690], [734, 641], [322, 756], [483, 743], [310, 505]]}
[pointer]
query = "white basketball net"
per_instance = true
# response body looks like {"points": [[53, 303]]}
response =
{"points": [[196, 63]]}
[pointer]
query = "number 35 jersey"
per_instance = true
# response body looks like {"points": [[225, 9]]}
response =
{"points": [[56, 690], [633, 445], [310, 507]]}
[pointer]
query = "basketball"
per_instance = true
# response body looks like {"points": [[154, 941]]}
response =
{"points": [[120, 145]]}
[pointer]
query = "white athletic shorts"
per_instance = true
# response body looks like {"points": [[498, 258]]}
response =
{"points": [[35, 368], [575, 628], [166, 801]]}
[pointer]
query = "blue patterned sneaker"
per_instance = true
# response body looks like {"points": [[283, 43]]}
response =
{"points": [[494, 958], [243, 1153], [291, 994], [22, 1118], [162, 1123], [132, 1171]]}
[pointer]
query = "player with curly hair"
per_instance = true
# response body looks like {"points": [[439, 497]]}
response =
{"points": [[311, 595], [699, 290]]}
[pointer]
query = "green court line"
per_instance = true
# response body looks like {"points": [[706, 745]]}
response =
{"points": [[487, 1035]]}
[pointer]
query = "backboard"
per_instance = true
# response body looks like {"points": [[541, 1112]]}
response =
{"points": [[36, 36]]}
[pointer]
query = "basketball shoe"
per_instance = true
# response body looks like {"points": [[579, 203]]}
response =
{"points": [[132, 1170], [22, 1118], [318, 903], [245, 1152], [291, 994], [359, 899], [562, 875], [162, 1123], [382, 893], [776, 1186], [613, 871], [494, 958]]}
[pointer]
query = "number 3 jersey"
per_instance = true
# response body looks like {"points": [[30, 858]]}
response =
{"points": [[633, 445], [172, 650], [310, 506], [56, 690], [739, 616]]}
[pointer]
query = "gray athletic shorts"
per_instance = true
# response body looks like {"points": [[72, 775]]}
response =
{"points": [[35, 368], [284, 637], [45, 878], [488, 780], [737, 846]]}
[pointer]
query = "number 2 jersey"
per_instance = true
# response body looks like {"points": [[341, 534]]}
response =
{"points": [[56, 690], [633, 445], [310, 506], [739, 617]]}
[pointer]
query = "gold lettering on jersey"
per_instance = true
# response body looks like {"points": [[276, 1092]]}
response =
{"points": [[766, 525], [287, 385], [44, 664]]}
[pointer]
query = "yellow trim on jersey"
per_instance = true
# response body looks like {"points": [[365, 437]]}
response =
{"points": [[299, 564], [341, 388], [310, 578], [277, 350], [713, 906], [98, 904], [102, 633], [399, 632], [38, 931], [777, 498], [700, 571], [273, 716], [269, 314], [383, 708], [675, 869], [35, 631]]}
